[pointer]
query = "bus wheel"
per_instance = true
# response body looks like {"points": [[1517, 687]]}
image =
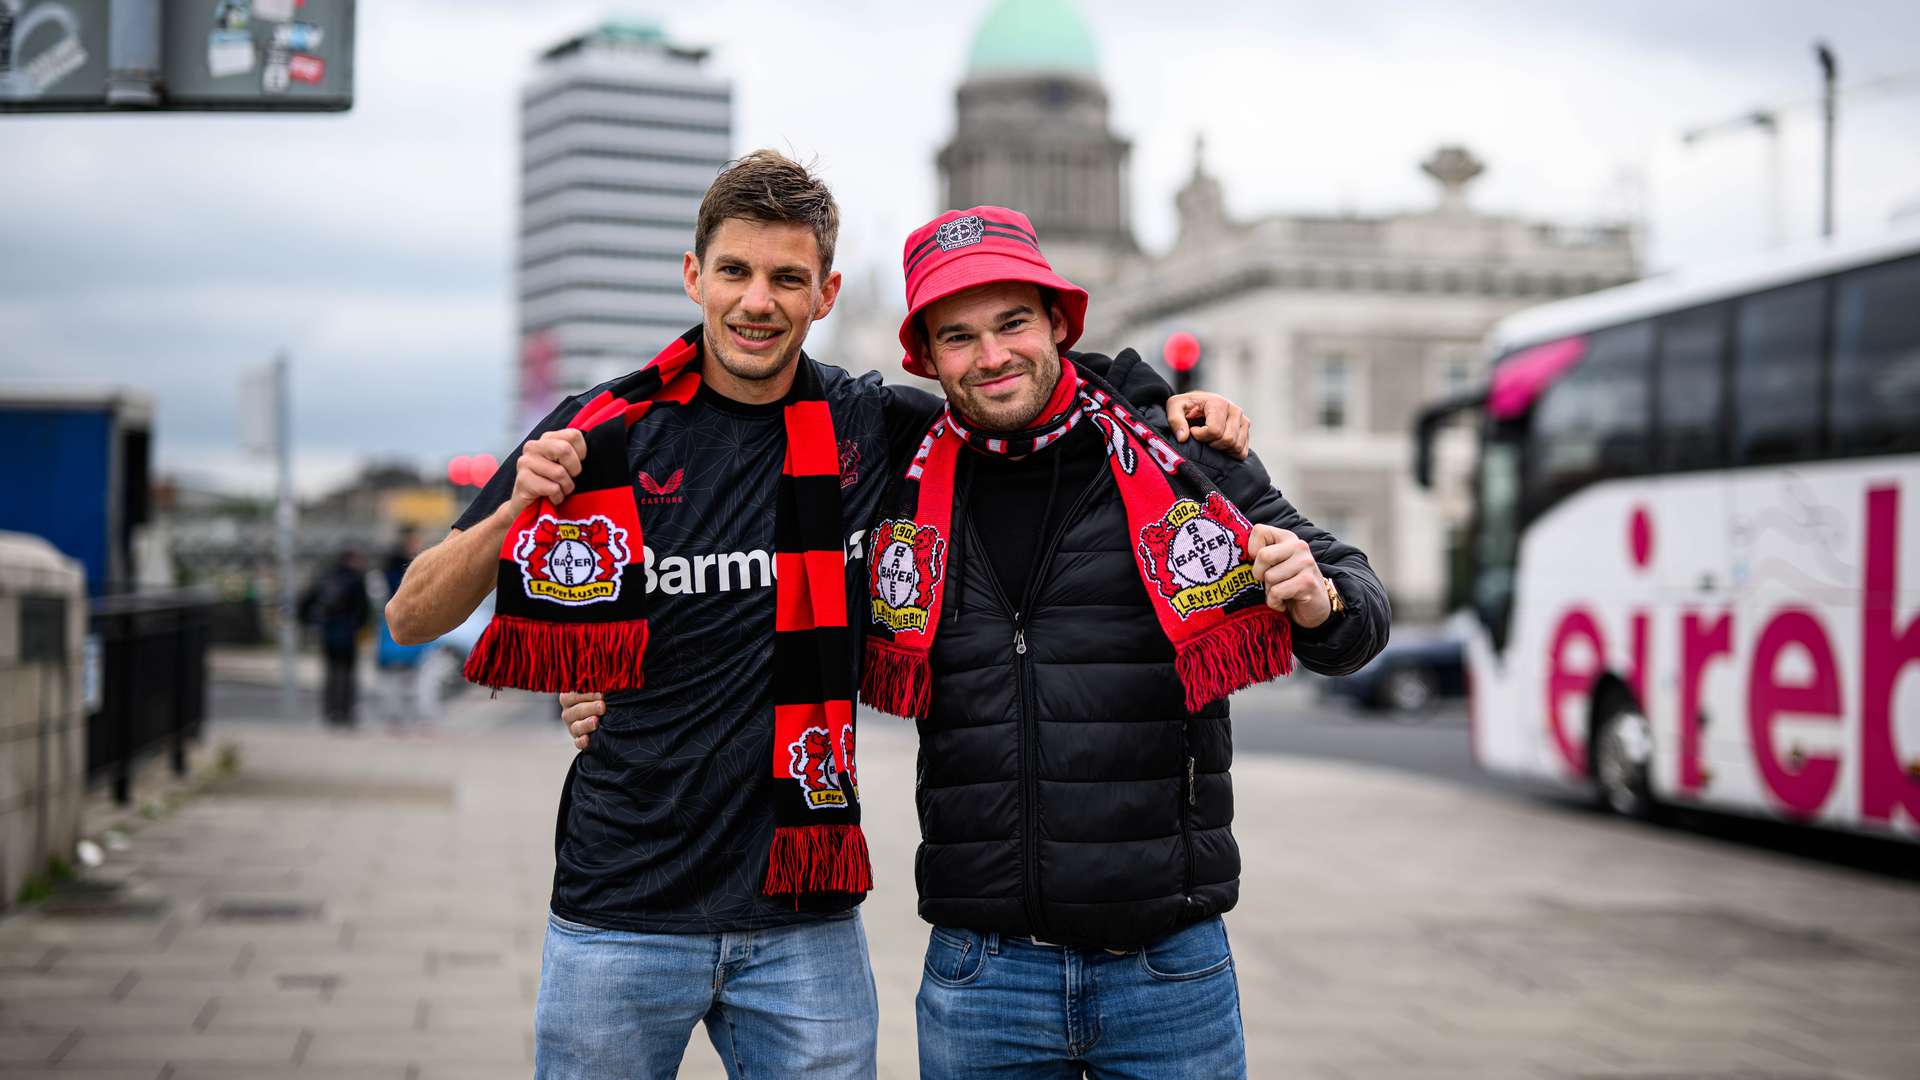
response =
{"points": [[1623, 757]]}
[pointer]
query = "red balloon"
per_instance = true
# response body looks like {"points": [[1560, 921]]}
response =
{"points": [[1182, 351], [480, 469], [460, 471]]}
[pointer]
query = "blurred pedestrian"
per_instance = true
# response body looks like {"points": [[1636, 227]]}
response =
{"points": [[408, 699], [337, 606], [406, 545]]}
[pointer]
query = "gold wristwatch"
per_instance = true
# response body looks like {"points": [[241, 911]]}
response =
{"points": [[1337, 605]]}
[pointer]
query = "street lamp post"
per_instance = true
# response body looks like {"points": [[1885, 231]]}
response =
{"points": [[1829, 73]]}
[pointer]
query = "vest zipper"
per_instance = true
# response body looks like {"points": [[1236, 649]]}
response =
{"points": [[1186, 832], [1023, 687]]}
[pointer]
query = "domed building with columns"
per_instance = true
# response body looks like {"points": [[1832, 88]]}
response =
{"points": [[1031, 131], [1330, 329]]}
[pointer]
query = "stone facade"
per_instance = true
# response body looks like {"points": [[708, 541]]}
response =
{"points": [[1040, 142], [43, 724]]}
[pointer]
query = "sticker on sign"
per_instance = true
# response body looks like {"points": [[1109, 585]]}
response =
{"points": [[298, 35], [302, 68], [229, 52]]}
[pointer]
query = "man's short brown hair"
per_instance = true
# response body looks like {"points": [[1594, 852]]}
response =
{"points": [[767, 186]]}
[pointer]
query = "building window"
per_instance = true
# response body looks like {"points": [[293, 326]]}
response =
{"points": [[1333, 393], [1454, 369]]}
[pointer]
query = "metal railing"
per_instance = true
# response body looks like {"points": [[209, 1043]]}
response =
{"points": [[152, 672]]}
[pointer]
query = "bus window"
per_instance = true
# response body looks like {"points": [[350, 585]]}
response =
{"points": [[1776, 374], [1876, 360], [1686, 384], [1593, 423]]}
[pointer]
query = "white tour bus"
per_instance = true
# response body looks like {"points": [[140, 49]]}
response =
{"points": [[1694, 556]]}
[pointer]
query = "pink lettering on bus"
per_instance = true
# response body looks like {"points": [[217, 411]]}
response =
{"points": [[1884, 783], [1563, 680], [1802, 784]]}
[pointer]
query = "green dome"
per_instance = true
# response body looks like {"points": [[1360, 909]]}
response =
{"points": [[1032, 36]]}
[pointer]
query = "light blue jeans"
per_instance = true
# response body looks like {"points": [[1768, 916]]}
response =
{"points": [[993, 1006], [787, 1002]]}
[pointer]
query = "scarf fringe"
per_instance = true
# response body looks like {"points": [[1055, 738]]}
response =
{"points": [[556, 658], [895, 679], [1251, 647], [818, 858]]}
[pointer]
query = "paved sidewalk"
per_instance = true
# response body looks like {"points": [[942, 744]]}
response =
{"points": [[371, 908]]}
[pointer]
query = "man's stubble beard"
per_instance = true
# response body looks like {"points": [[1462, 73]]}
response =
{"points": [[1021, 415], [751, 371]]}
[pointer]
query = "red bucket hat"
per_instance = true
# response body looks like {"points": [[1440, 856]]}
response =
{"points": [[964, 248]]}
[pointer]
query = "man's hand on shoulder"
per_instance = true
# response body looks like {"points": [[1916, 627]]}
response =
{"points": [[546, 469], [1293, 582], [581, 713], [1212, 419]]}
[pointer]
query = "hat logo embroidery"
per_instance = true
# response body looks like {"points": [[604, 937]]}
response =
{"points": [[960, 232]]}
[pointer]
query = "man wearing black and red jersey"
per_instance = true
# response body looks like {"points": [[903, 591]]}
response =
{"points": [[660, 919]]}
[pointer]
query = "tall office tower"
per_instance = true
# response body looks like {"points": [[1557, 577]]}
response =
{"points": [[621, 132]]}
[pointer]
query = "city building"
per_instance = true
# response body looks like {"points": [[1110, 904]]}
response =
{"points": [[621, 132]]}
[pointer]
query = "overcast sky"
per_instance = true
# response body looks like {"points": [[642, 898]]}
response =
{"points": [[174, 253]]}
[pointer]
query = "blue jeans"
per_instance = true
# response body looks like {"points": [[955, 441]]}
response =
{"points": [[993, 1006], [790, 1001]]}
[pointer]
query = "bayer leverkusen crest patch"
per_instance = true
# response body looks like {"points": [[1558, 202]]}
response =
{"points": [[572, 562], [1197, 554], [908, 561], [811, 761]]}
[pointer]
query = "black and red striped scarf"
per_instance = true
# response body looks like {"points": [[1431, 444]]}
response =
{"points": [[1189, 543], [569, 618]]}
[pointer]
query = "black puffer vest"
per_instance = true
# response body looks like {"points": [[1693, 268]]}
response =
{"points": [[1064, 790]]}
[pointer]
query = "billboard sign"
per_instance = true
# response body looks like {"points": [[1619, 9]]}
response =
{"points": [[198, 55], [54, 52], [258, 54]]}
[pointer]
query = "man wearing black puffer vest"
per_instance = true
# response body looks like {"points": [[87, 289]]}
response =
{"points": [[1062, 600]]}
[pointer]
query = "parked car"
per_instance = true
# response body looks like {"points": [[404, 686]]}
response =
{"points": [[1414, 671]]}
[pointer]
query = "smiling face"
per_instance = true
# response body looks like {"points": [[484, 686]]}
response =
{"points": [[996, 352], [760, 288]]}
